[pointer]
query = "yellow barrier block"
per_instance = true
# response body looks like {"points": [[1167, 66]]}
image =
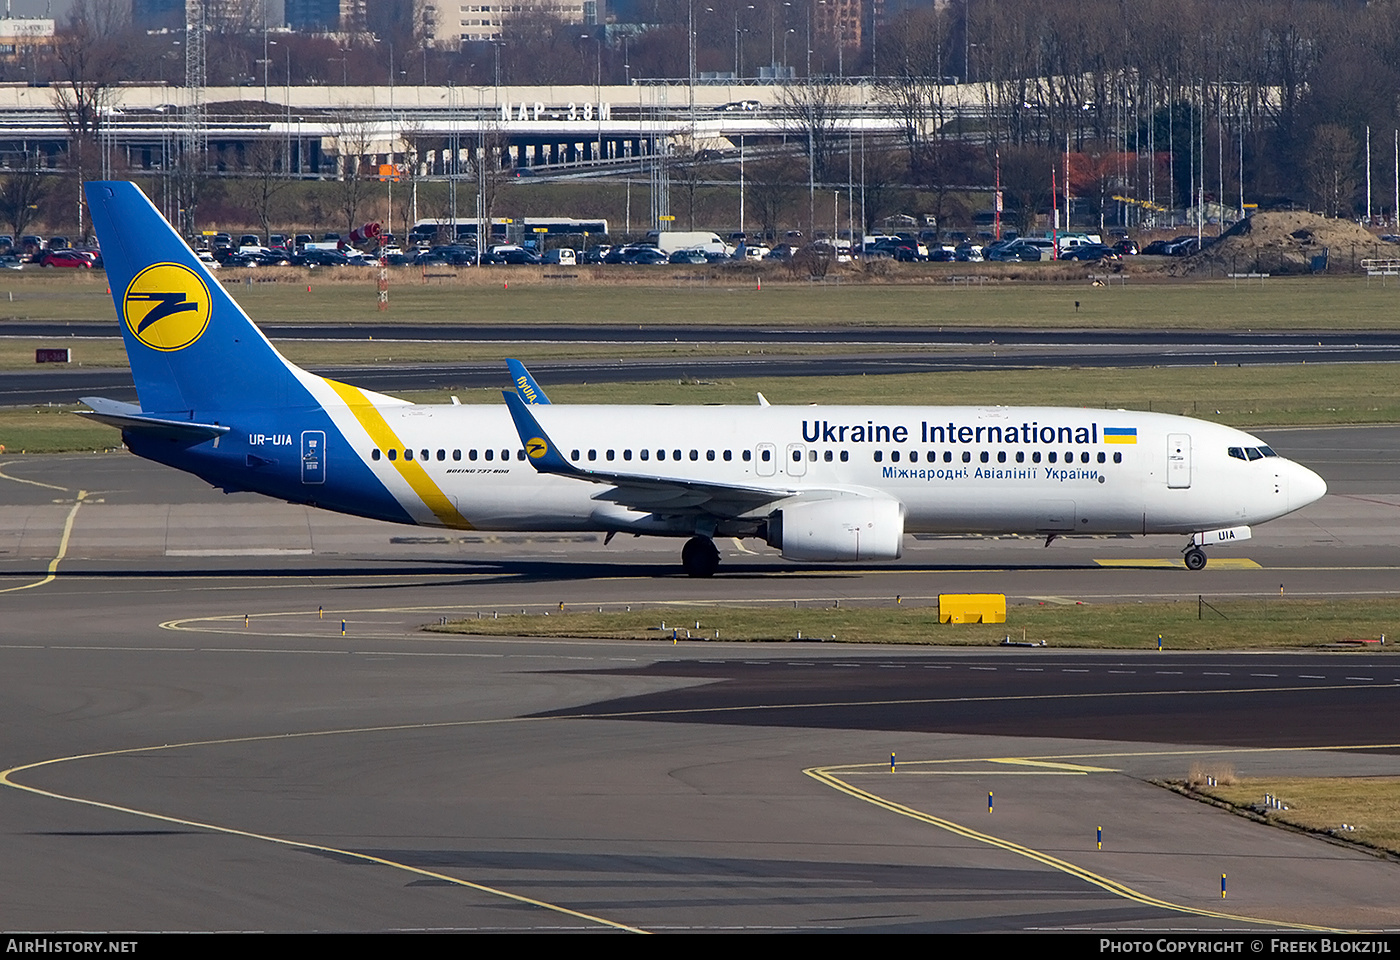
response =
{"points": [[972, 608]]}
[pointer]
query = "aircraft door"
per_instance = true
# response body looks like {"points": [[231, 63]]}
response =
{"points": [[765, 459], [1178, 461], [313, 456], [796, 460]]}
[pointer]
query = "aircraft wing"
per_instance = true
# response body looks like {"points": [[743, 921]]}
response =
{"points": [[639, 491], [525, 384]]}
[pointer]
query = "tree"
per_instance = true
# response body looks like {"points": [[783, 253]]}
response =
{"points": [[1331, 169], [809, 113], [266, 163], [21, 194], [354, 135], [90, 60]]}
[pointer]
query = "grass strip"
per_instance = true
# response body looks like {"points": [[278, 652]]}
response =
{"points": [[1362, 810], [924, 297], [1226, 624]]}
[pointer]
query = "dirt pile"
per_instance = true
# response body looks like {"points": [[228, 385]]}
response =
{"points": [[1287, 242]]}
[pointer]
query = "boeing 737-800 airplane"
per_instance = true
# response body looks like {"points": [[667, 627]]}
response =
{"points": [[817, 483]]}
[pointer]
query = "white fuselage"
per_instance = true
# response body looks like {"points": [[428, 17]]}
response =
{"points": [[1047, 470]]}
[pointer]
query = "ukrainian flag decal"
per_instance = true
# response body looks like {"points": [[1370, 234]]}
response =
{"points": [[1120, 434], [166, 306]]}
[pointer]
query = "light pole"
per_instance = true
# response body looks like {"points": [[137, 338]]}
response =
{"points": [[740, 69]]}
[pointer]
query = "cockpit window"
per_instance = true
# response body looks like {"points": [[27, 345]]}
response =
{"points": [[1250, 453], [1237, 453], [1267, 451], [1254, 453]]}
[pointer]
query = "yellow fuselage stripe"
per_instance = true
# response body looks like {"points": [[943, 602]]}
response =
{"points": [[412, 471]]}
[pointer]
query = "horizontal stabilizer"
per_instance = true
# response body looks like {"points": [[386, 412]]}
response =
{"points": [[128, 416]]}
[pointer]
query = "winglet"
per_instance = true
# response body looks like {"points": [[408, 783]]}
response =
{"points": [[525, 384], [541, 451]]}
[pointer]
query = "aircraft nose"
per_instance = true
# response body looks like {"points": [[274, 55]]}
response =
{"points": [[1305, 487]]}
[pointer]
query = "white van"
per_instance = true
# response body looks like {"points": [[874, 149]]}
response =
{"points": [[669, 241], [563, 256]]}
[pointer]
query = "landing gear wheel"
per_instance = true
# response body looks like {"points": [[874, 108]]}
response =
{"points": [[700, 557], [1195, 559]]}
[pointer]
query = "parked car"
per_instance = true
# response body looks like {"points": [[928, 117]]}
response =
{"points": [[71, 259], [560, 256], [1090, 252]]}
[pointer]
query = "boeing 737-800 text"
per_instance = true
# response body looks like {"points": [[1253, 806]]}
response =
{"points": [[817, 483]]}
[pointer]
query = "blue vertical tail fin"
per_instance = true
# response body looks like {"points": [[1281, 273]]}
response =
{"points": [[193, 350]]}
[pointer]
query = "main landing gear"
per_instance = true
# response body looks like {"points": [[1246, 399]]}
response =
{"points": [[1195, 558], [700, 557]]}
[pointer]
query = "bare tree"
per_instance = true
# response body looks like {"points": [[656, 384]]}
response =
{"points": [[689, 168], [1331, 169], [772, 186], [267, 166], [810, 112], [90, 59], [354, 135], [22, 192]]}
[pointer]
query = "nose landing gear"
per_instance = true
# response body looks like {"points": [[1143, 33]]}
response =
{"points": [[700, 557], [1195, 558]]}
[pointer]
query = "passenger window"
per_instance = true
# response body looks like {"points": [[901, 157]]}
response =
{"points": [[879, 455], [1052, 457], [913, 456], [408, 454], [845, 455], [457, 455], [748, 455], [1102, 458], [661, 454], [393, 454], [812, 455], [471, 454], [967, 456], [947, 456], [609, 454], [728, 455], [505, 454], [1020, 456], [676, 454], [426, 455], [491, 455], [827, 455], [767, 455], [694, 455], [646, 454], [627, 454], [375, 454], [894, 456], [520, 454], [1118, 456], [1001, 456], [709, 454], [1035, 457], [593, 455], [1084, 457], [985, 456], [442, 454]]}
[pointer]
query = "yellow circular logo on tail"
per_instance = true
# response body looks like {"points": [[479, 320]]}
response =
{"points": [[536, 447], [166, 306]]}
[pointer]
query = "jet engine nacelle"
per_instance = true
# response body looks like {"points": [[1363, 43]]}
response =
{"points": [[849, 528]]}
